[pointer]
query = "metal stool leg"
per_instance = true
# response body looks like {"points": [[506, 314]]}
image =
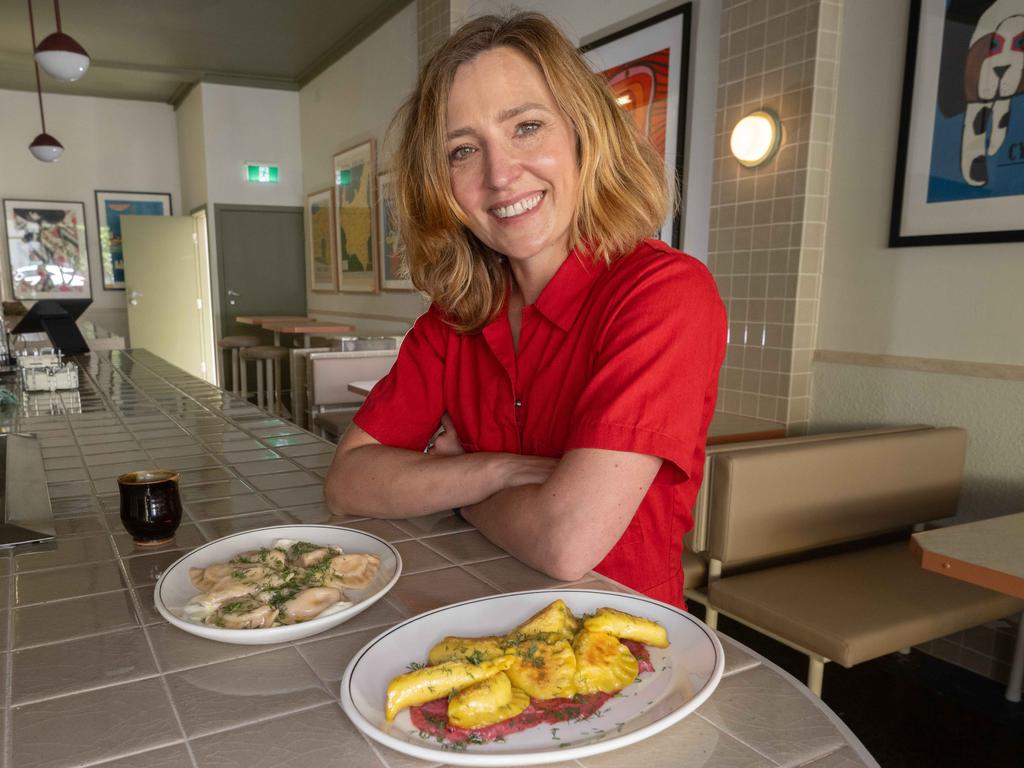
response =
{"points": [[259, 384], [245, 380], [234, 371], [270, 386]]}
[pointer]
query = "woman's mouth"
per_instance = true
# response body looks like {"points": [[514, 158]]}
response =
{"points": [[519, 207]]}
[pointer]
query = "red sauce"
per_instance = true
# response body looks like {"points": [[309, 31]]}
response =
{"points": [[432, 718]]}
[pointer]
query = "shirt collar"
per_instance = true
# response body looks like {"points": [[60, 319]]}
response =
{"points": [[563, 296]]}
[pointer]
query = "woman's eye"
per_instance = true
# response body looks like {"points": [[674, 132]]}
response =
{"points": [[527, 128], [460, 153]]}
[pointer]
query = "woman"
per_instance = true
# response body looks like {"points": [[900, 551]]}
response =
{"points": [[571, 362]]}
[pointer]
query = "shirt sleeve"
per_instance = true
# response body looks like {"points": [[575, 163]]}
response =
{"points": [[405, 407], [655, 370]]}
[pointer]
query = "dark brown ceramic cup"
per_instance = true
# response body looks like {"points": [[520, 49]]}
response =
{"points": [[150, 505]]}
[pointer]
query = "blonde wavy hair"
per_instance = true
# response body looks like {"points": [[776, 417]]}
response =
{"points": [[623, 194]]}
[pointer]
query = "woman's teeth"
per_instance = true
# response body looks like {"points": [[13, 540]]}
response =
{"points": [[516, 209]]}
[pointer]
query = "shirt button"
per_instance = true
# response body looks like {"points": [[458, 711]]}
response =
{"points": [[519, 403]]}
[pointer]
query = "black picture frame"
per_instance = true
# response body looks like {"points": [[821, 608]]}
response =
{"points": [[931, 58], [633, 43]]}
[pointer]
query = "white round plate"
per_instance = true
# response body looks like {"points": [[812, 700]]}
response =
{"points": [[175, 588], [684, 676]]}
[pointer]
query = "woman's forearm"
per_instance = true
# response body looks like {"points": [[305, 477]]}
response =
{"points": [[380, 481]]}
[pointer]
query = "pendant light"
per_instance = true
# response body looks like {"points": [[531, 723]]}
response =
{"points": [[44, 146], [60, 55]]}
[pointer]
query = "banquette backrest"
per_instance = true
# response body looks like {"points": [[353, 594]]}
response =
{"points": [[784, 499]]}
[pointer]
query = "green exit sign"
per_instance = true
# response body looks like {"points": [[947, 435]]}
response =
{"points": [[258, 173]]}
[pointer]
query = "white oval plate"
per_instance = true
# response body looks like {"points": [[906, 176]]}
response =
{"points": [[684, 676], [175, 588]]}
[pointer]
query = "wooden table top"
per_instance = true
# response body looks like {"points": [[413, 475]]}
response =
{"points": [[260, 320], [308, 326], [988, 553]]}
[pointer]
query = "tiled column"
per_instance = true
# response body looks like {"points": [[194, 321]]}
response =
{"points": [[768, 223], [435, 21]]}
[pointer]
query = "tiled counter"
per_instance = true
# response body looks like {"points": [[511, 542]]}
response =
{"points": [[91, 675]]}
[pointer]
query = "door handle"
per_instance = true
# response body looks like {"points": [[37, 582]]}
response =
{"points": [[233, 293], [133, 297]]}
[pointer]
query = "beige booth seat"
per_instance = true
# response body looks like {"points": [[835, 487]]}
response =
{"points": [[801, 502]]}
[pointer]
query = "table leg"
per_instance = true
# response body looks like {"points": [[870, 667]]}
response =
{"points": [[277, 338], [305, 340], [1017, 670]]}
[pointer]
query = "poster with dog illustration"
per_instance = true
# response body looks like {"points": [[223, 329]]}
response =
{"points": [[960, 164]]}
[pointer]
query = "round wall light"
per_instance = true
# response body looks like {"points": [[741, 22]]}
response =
{"points": [[756, 138]]}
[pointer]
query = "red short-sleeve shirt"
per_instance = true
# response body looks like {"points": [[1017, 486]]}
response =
{"points": [[623, 358]]}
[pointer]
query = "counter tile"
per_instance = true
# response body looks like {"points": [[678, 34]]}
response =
{"points": [[56, 441], [305, 494], [383, 528], [393, 759], [74, 551], [285, 428], [64, 463], [67, 527], [81, 505], [170, 453], [380, 615], [433, 525], [233, 693], [75, 730], [67, 490], [694, 741], [91, 662], [166, 757], [64, 475], [309, 449], [284, 480], [60, 583], [215, 490], [147, 605], [318, 514], [109, 429], [737, 658], [233, 505], [61, 452], [254, 468], [195, 462], [66, 619], [157, 435], [316, 461], [510, 575], [316, 737], [224, 526], [88, 438], [93, 459], [422, 592], [100, 449], [466, 547], [5, 618], [330, 656], [188, 536], [416, 558], [146, 569], [757, 707], [176, 650], [202, 475], [300, 438], [234, 457]]}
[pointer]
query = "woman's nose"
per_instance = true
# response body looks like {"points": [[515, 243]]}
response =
{"points": [[503, 167]]}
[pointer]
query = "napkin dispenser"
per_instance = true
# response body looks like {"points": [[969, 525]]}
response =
{"points": [[47, 372]]}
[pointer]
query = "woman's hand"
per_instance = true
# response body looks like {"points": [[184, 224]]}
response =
{"points": [[446, 441]]}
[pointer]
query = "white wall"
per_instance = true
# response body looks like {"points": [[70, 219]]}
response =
{"points": [[954, 302], [192, 150], [356, 97], [951, 302], [110, 144]]}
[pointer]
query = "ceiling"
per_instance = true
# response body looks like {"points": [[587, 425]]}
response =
{"points": [[156, 50]]}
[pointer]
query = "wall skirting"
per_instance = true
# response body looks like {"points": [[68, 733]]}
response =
{"points": [[1002, 371]]}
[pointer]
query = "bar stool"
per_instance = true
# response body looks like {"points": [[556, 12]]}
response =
{"points": [[235, 343], [268, 398]]}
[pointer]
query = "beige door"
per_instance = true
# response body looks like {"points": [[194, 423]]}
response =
{"points": [[163, 289]]}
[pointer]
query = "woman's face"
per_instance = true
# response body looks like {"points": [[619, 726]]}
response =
{"points": [[512, 158]]}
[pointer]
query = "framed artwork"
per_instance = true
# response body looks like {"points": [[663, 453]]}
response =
{"points": [[110, 207], [355, 207], [394, 272], [46, 249], [647, 68], [323, 269], [960, 159]]}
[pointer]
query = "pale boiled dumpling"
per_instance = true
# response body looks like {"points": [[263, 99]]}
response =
{"points": [[228, 590], [355, 570], [206, 578], [246, 613], [309, 603]]}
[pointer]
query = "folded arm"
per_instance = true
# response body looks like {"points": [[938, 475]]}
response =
{"points": [[565, 525], [367, 478]]}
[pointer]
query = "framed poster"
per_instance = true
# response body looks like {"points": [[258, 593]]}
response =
{"points": [[960, 159], [110, 207], [647, 68], [394, 272], [323, 269], [46, 249], [355, 206]]}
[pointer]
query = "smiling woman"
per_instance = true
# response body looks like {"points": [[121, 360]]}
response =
{"points": [[565, 374]]}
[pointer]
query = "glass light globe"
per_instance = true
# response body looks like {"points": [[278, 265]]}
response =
{"points": [[62, 57], [46, 148]]}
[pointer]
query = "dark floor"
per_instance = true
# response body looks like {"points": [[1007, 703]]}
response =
{"points": [[912, 711]]}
